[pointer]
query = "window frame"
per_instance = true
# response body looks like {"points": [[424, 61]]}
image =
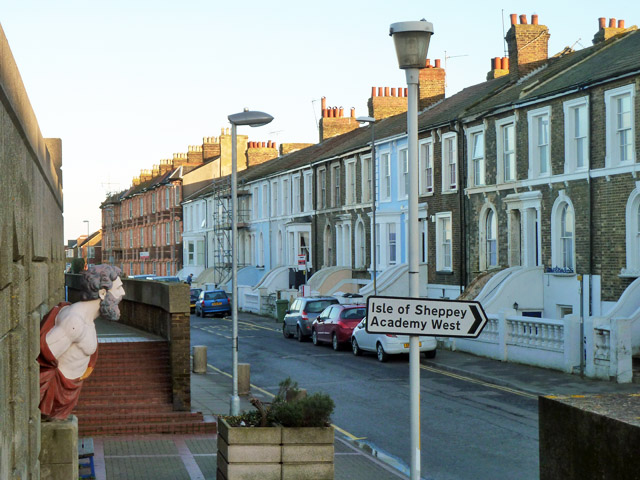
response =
{"points": [[426, 166], [403, 173], [536, 143], [501, 125], [385, 176], [612, 155], [295, 194], [367, 179], [441, 250], [350, 181], [473, 161], [336, 185], [449, 153], [558, 241], [570, 150], [308, 191]]}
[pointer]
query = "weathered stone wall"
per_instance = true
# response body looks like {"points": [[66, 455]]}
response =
{"points": [[589, 437], [31, 265]]}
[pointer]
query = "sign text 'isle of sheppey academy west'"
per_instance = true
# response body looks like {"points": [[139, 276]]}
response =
{"points": [[421, 316]]}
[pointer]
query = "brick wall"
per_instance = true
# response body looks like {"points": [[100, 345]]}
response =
{"points": [[528, 45], [31, 265]]}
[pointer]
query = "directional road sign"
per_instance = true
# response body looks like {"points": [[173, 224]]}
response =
{"points": [[422, 316]]}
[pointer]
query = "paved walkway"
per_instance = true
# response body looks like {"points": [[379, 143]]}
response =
{"points": [[191, 457]]}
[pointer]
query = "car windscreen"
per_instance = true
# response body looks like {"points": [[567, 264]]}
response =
{"points": [[215, 296], [317, 306], [354, 313]]}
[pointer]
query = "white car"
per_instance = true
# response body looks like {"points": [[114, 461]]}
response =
{"points": [[386, 344]]}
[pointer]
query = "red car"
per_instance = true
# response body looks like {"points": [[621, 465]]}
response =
{"points": [[335, 324]]}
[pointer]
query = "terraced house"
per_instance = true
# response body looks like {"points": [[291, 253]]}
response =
{"points": [[529, 202]]}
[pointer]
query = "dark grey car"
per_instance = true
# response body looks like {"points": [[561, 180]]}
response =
{"points": [[301, 315]]}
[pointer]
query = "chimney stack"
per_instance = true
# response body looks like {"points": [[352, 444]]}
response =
{"points": [[606, 32], [386, 102], [333, 121], [528, 45], [499, 67]]}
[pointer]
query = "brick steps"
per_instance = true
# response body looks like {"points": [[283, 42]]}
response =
{"points": [[130, 393]]}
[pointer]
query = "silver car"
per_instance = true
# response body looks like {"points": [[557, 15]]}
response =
{"points": [[302, 313], [387, 344]]}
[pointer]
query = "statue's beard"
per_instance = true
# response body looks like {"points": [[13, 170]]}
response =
{"points": [[109, 308]]}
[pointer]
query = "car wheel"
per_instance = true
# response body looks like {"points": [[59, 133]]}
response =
{"points": [[355, 348], [284, 331], [314, 338], [430, 353], [382, 355], [299, 336], [334, 342]]}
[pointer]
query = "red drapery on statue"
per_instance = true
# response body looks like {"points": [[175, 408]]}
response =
{"points": [[58, 394]]}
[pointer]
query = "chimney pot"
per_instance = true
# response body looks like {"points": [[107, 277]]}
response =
{"points": [[379, 91], [437, 63], [620, 23], [263, 144], [373, 91], [341, 112], [428, 63], [393, 92], [324, 113], [534, 19], [612, 23], [406, 92], [514, 18], [353, 112], [505, 63], [494, 63], [400, 92], [602, 22], [523, 19], [324, 102], [386, 91]]}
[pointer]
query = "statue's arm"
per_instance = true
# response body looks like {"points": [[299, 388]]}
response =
{"points": [[65, 333]]}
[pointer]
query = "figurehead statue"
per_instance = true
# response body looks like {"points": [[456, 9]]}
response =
{"points": [[69, 343]]}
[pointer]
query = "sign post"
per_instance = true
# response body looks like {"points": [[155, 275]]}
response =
{"points": [[421, 316]]}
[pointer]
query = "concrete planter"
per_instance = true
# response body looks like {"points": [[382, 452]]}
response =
{"points": [[278, 453]]}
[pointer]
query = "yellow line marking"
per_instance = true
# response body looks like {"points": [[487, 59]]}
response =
{"points": [[254, 325], [478, 382], [271, 395]]}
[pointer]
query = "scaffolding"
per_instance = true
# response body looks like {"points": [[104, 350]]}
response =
{"points": [[222, 227]]}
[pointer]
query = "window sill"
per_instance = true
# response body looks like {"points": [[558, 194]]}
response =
{"points": [[444, 272], [449, 192], [561, 274], [629, 273]]}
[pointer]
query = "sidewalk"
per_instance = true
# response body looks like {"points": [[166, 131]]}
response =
{"points": [[193, 457]]}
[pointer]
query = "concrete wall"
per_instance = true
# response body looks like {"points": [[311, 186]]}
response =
{"points": [[31, 265], [591, 437]]}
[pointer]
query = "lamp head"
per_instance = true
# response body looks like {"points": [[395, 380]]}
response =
{"points": [[251, 118], [411, 40], [365, 120]]}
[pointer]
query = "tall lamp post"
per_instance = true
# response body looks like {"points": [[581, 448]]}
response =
{"points": [[411, 40], [252, 119], [86, 242], [374, 253]]}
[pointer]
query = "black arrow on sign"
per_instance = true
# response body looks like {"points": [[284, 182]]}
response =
{"points": [[478, 321]]}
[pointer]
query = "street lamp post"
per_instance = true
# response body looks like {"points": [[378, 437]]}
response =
{"points": [[86, 242], [411, 40], [253, 119], [374, 253]]}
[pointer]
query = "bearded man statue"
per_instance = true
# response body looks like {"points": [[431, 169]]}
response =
{"points": [[69, 343]]}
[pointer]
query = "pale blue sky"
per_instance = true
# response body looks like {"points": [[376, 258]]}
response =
{"points": [[126, 83]]}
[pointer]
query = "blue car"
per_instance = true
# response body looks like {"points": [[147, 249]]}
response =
{"points": [[215, 302]]}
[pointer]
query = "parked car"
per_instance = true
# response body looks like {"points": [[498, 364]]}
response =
{"points": [[336, 323], [142, 277], [215, 302], [387, 344], [194, 293], [302, 313]]}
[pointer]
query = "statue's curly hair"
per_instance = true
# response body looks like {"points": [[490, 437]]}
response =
{"points": [[96, 278]]}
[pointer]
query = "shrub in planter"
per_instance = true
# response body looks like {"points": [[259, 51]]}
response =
{"points": [[289, 440]]}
